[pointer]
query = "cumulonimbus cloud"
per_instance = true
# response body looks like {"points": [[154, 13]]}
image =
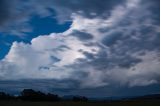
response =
{"points": [[122, 48]]}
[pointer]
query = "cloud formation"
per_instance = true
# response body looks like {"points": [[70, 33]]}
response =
{"points": [[122, 48], [15, 15]]}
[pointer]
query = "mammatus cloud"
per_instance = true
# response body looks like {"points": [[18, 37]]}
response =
{"points": [[122, 48]]}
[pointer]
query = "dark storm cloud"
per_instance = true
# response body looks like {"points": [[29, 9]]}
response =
{"points": [[111, 39], [4, 13], [15, 15], [88, 55], [12, 18], [41, 84], [82, 35], [87, 8], [44, 82], [103, 62], [122, 46], [48, 86]]}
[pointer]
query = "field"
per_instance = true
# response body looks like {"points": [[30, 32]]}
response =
{"points": [[126, 103]]}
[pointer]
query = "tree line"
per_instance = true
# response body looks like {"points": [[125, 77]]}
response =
{"points": [[31, 95]]}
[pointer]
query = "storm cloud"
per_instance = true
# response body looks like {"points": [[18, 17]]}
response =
{"points": [[108, 43], [15, 15]]}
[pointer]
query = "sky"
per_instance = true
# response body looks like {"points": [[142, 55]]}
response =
{"points": [[94, 48]]}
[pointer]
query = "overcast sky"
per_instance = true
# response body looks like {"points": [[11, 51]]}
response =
{"points": [[80, 46]]}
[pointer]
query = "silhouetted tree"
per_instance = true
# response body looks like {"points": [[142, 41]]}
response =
{"points": [[148, 97], [31, 95], [52, 97], [80, 98], [4, 96]]}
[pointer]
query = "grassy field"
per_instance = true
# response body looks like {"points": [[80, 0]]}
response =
{"points": [[131, 103]]}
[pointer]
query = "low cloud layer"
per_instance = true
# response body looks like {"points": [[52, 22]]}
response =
{"points": [[96, 51]]}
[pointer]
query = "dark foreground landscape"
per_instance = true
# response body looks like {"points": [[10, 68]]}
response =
{"points": [[29, 97], [120, 103]]}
